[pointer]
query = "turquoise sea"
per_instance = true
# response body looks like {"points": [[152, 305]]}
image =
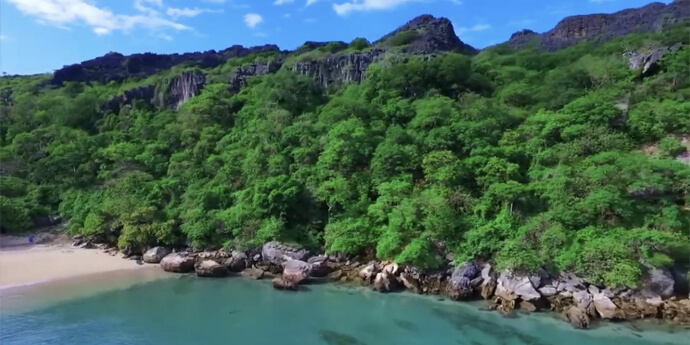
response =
{"points": [[185, 310]]}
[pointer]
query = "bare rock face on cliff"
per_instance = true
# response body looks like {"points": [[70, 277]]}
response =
{"points": [[171, 93], [117, 67], [431, 35], [604, 27]]}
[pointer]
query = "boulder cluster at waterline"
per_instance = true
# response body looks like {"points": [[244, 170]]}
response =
{"points": [[579, 301]]}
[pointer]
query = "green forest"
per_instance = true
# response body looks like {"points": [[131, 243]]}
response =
{"points": [[564, 160]]}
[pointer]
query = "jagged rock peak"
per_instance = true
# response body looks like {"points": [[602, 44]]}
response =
{"points": [[601, 27], [435, 34]]}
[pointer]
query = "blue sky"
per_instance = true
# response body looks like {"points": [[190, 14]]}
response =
{"points": [[39, 36]]}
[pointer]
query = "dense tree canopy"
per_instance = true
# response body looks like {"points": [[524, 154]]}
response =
{"points": [[562, 159]]}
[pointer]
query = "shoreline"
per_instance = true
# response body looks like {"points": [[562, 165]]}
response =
{"points": [[24, 264], [61, 263]]}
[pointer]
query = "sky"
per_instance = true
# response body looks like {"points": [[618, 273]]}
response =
{"points": [[40, 36]]}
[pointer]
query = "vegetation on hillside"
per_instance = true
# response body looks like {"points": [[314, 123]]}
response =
{"points": [[525, 158]]}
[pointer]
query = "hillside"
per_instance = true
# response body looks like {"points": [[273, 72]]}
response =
{"points": [[561, 150]]}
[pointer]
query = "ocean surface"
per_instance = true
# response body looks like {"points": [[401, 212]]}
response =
{"points": [[185, 310]]}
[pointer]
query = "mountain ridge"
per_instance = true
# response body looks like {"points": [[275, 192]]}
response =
{"points": [[434, 35]]}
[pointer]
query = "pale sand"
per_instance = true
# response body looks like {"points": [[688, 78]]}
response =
{"points": [[42, 274], [30, 264]]}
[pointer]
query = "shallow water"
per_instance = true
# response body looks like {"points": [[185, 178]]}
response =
{"points": [[185, 310]]}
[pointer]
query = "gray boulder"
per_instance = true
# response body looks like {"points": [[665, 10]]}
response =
{"points": [[368, 273], [577, 317], [277, 253], [237, 261], [296, 271], [660, 281], [511, 286], [319, 266], [155, 255], [463, 280], [210, 268], [385, 282], [178, 263]]}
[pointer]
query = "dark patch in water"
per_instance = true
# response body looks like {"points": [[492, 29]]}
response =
{"points": [[440, 299], [406, 325], [336, 338], [461, 321], [636, 334]]}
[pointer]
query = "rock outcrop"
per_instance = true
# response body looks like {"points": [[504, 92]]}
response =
{"points": [[237, 261], [338, 69], [155, 255], [210, 268], [277, 253], [178, 262], [169, 94], [117, 67], [434, 35], [604, 27]]}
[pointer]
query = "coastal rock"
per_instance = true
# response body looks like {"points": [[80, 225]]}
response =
{"points": [[253, 273], [237, 261], [577, 317], [511, 286], [155, 255], [528, 306], [659, 281], [177, 262], [284, 284], [296, 271], [460, 284], [368, 272], [410, 283], [547, 291], [320, 266], [276, 253], [585, 302], [392, 268], [385, 282], [604, 306], [210, 268], [489, 283]]}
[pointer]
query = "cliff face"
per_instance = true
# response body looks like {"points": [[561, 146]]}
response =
{"points": [[604, 27], [431, 35], [117, 67], [168, 94], [338, 69]]}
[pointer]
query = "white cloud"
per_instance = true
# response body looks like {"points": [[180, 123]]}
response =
{"points": [[475, 28], [65, 13], [287, 15], [3, 38], [457, 2], [252, 19], [366, 5], [282, 2], [166, 37], [215, 1], [310, 2], [143, 6], [188, 12]]}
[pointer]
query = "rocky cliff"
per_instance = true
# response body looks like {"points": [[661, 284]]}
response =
{"points": [[424, 35], [117, 67], [171, 93], [604, 27]]}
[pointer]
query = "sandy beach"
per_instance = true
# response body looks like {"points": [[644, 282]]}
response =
{"points": [[22, 263]]}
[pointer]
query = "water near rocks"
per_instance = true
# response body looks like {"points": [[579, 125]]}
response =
{"points": [[187, 310]]}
